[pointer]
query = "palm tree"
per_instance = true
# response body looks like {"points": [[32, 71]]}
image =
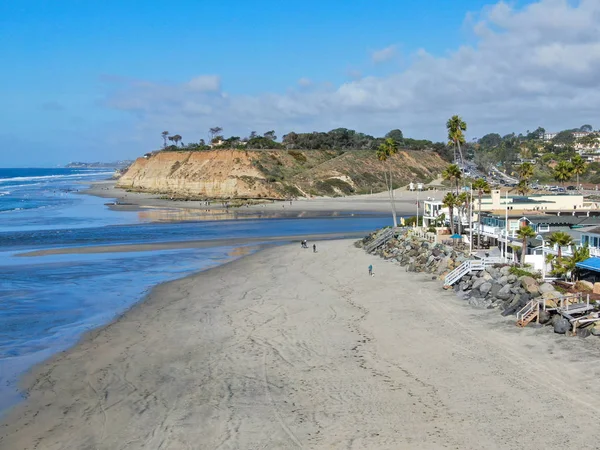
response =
{"points": [[452, 173], [522, 188], [525, 233], [579, 167], [563, 172], [386, 150], [561, 239], [482, 187], [525, 173], [450, 202], [462, 203], [455, 126], [164, 136]]}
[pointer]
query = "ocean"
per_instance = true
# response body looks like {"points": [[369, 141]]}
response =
{"points": [[48, 302]]}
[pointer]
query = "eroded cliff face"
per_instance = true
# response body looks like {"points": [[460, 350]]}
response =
{"points": [[211, 174], [275, 174]]}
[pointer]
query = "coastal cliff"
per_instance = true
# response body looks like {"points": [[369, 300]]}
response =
{"points": [[274, 174]]}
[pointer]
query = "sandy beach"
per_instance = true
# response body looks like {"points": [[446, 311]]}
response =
{"points": [[291, 349], [303, 207]]}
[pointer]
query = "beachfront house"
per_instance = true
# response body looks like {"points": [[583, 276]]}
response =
{"points": [[432, 210]]}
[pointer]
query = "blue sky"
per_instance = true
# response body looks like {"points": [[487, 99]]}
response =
{"points": [[87, 80]]}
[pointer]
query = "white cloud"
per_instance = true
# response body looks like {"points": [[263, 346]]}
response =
{"points": [[304, 82], [205, 83], [384, 54], [531, 66]]}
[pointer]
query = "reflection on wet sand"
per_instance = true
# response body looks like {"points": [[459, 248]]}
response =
{"points": [[186, 215]]}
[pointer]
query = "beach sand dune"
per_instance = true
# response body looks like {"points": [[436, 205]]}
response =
{"points": [[292, 349]]}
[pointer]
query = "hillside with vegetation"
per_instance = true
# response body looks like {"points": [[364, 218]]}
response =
{"points": [[554, 157]]}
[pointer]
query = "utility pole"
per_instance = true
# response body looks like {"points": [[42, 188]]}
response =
{"points": [[417, 207], [506, 227]]}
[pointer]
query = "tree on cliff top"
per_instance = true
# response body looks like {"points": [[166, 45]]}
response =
{"points": [[214, 131], [164, 136]]}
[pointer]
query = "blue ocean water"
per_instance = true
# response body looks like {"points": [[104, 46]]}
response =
{"points": [[48, 302]]}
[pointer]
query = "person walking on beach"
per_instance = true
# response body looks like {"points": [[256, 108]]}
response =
{"points": [[370, 270], [314, 248]]}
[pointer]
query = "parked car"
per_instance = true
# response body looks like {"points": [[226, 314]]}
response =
{"points": [[571, 188], [561, 189]]}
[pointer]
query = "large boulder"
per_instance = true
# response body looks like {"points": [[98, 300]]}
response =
{"points": [[561, 325], [484, 288], [529, 284], [487, 276], [595, 329], [505, 271], [545, 287], [545, 316], [503, 280], [478, 282], [583, 332], [551, 294], [596, 288], [511, 278], [495, 289], [504, 293], [584, 286], [495, 273]]}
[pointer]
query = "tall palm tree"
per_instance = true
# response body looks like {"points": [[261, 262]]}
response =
{"points": [[452, 173], [525, 233], [579, 167], [449, 202], [525, 173], [561, 239], [386, 150], [164, 136], [482, 187], [455, 126], [563, 172], [522, 188], [462, 203]]}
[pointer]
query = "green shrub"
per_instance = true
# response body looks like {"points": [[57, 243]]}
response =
{"points": [[298, 156], [292, 190], [336, 183], [520, 272]]}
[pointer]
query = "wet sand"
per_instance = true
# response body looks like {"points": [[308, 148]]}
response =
{"points": [[291, 349], [207, 243]]}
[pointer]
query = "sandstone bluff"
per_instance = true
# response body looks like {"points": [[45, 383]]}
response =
{"points": [[274, 174]]}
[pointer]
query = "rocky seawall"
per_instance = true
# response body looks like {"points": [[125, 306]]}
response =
{"points": [[500, 287]]}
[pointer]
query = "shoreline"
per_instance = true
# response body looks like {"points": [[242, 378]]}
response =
{"points": [[286, 348], [176, 245], [377, 203]]}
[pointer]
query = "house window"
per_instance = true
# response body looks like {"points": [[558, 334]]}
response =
{"points": [[513, 225], [585, 240], [595, 242], [543, 227]]}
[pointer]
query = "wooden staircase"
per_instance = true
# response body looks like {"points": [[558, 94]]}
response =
{"points": [[470, 265], [380, 240], [530, 312]]}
